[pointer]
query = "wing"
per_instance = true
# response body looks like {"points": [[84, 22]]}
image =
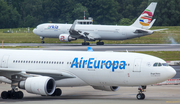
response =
{"points": [[57, 75], [82, 34]]}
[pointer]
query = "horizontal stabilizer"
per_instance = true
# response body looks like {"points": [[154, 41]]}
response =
{"points": [[160, 29]]}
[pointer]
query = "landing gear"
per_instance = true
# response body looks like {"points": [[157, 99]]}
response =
{"points": [[99, 43], [140, 95], [57, 92], [42, 38], [12, 94], [85, 43]]}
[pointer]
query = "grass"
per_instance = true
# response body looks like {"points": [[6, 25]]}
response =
{"points": [[161, 37], [165, 55], [21, 47]]}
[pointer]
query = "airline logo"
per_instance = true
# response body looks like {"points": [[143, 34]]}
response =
{"points": [[52, 27], [98, 64], [146, 17]]}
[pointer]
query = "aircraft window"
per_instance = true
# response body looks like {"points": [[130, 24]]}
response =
{"points": [[54, 62], [14, 61], [62, 62], [31, 61], [84, 22], [18, 61], [67, 62], [57, 63], [36, 61], [159, 64], [49, 62], [24, 61], [70, 62], [155, 64], [165, 64], [21, 61], [87, 22], [44, 62]]}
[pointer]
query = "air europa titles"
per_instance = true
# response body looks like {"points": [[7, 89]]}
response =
{"points": [[98, 64]]}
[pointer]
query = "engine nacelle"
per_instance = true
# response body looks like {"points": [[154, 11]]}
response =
{"points": [[106, 88], [66, 38], [39, 85]]}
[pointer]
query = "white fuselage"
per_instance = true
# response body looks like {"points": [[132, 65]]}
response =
{"points": [[97, 32], [90, 68]]}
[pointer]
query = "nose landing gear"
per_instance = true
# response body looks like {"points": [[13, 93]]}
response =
{"points": [[140, 95], [42, 38]]}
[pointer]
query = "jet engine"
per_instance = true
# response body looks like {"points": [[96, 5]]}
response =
{"points": [[106, 88], [66, 38], [42, 85]]}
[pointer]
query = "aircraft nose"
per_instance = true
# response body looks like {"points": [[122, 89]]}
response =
{"points": [[34, 31], [172, 72]]}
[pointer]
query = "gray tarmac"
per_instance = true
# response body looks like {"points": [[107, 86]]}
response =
{"points": [[87, 95], [106, 47]]}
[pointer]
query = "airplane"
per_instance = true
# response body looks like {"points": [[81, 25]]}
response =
{"points": [[89, 32], [42, 72]]}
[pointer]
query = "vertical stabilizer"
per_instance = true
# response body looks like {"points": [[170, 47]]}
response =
{"points": [[144, 20]]}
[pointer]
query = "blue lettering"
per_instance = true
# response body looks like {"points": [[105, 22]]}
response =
{"points": [[122, 65], [75, 63], [56, 27], [115, 65], [80, 62], [84, 62], [108, 64], [102, 63], [89, 62], [96, 66]]}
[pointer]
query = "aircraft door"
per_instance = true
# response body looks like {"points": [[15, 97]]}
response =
{"points": [[137, 65], [5, 61]]}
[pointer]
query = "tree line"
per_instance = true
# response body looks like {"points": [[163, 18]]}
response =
{"points": [[30, 13]]}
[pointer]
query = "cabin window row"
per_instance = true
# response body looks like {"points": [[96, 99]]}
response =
{"points": [[38, 62]]}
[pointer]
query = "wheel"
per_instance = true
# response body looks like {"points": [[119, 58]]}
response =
{"points": [[20, 94], [99, 43], [85, 43], [140, 96], [42, 42], [4, 95], [57, 92]]}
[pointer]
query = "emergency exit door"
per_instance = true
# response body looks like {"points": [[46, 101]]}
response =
{"points": [[137, 65], [5, 61]]}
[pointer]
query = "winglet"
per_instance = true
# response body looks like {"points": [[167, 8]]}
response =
{"points": [[89, 49]]}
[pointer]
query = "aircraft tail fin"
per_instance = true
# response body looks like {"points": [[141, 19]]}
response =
{"points": [[89, 49], [144, 20]]}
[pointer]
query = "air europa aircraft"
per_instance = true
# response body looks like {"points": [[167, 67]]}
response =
{"points": [[42, 72], [77, 30]]}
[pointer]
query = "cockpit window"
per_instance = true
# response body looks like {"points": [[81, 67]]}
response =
{"points": [[155, 64], [165, 64], [160, 64]]}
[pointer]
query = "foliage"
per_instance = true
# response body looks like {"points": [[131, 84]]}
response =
{"points": [[30, 13]]}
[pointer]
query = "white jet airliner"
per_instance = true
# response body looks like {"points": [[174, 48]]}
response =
{"points": [[41, 72], [69, 32]]}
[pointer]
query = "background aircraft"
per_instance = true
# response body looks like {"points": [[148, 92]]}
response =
{"points": [[89, 32], [41, 72]]}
